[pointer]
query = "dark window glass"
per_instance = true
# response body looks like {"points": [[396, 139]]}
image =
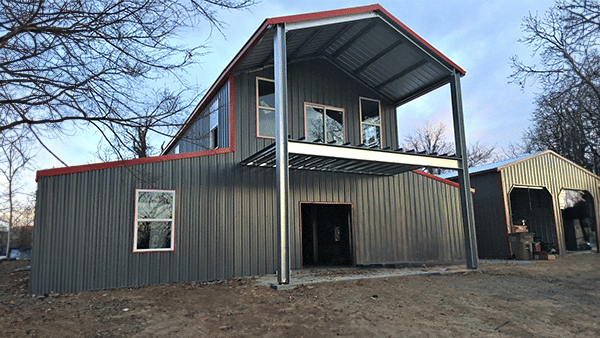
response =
{"points": [[266, 94], [335, 126], [265, 114]]}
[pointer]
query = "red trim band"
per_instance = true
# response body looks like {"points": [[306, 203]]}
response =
{"points": [[439, 179], [115, 164]]}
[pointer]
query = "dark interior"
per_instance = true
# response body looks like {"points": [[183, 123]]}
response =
{"points": [[578, 215], [532, 206], [326, 234]]}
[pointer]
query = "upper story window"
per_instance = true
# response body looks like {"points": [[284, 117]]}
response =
{"points": [[370, 122], [324, 124], [214, 125], [265, 108], [154, 228]]}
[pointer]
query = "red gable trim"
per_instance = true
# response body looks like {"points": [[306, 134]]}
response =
{"points": [[420, 39], [226, 75], [322, 15], [439, 179], [363, 9]]}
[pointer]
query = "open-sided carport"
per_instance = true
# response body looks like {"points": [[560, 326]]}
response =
{"points": [[555, 198]]}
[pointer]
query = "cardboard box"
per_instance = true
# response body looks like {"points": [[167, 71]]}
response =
{"points": [[543, 256]]}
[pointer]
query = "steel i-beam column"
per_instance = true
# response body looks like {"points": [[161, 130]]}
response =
{"points": [[466, 200], [281, 152]]}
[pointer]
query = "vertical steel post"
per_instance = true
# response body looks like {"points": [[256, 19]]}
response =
{"points": [[466, 200], [281, 152]]}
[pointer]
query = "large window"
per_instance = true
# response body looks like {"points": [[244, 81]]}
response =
{"points": [[154, 228], [370, 122], [324, 124], [265, 108]]}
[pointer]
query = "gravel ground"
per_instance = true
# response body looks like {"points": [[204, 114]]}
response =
{"points": [[559, 298]]}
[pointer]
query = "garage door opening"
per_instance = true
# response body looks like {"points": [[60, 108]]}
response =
{"points": [[326, 234], [532, 207], [577, 208]]}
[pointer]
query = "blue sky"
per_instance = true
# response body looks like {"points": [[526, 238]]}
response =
{"points": [[479, 36]]}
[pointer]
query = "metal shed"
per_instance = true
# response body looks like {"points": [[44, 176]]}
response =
{"points": [[254, 197], [553, 197]]}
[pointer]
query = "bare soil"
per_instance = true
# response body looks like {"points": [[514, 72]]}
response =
{"points": [[559, 298]]}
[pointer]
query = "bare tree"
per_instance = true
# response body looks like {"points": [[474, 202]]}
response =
{"points": [[479, 154], [567, 118], [431, 139], [15, 155], [89, 63]]}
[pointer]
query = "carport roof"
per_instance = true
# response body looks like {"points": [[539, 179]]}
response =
{"points": [[368, 43]]}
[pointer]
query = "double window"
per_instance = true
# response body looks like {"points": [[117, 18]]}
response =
{"points": [[154, 228], [370, 122], [265, 108], [324, 124]]}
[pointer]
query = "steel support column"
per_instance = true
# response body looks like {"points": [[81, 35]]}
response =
{"points": [[281, 152], [466, 200]]}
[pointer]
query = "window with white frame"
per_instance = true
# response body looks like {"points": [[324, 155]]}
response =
{"points": [[154, 228], [265, 108], [324, 124], [370, 122]]}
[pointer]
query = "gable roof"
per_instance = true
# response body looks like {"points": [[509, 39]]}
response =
{"points": [[504, 164], [367, 43]]}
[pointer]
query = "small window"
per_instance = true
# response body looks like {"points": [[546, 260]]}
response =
{"points": [[154, 228], [265, 111], [324, 124], [214, 125], [370, 123]]}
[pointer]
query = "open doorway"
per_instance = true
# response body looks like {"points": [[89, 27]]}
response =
{"points": [[577, 208], [326, 234], [532, 207]]}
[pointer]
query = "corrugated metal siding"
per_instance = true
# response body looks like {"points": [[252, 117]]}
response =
{"points": [[317, 82], [554, 173], [225, 212], [490, 220], [197, 137]]}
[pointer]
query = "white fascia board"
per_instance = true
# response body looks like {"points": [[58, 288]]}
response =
{"points": [[371, 155], [290, 26]]}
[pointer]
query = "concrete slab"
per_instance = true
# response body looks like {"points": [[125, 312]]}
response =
{"points": [[322, 275]]}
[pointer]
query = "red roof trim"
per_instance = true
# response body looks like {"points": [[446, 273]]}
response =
{"points": [[363, 9], [259, 33], [226, 75], [115, 164], [420, 39], [322, 15], [439, 179]]}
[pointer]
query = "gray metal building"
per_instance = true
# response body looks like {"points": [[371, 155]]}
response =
{"points": [[220, 203], [553, 197]]}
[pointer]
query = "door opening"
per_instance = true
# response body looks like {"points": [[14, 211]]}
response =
{"points": [[577, 208], [532, 207], [326, 234]]}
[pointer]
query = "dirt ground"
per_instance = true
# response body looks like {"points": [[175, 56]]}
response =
{"points": [[558, 298]]}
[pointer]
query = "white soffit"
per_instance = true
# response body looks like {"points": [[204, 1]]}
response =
{"points": [[329, 21]]}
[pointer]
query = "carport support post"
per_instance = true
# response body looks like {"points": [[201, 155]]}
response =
{"points": [[281, 151], [464, 182]]}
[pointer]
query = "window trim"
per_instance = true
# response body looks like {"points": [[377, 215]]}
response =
{"points": [[324, 107], [257, 107], [360, 98], [136, 220]]}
